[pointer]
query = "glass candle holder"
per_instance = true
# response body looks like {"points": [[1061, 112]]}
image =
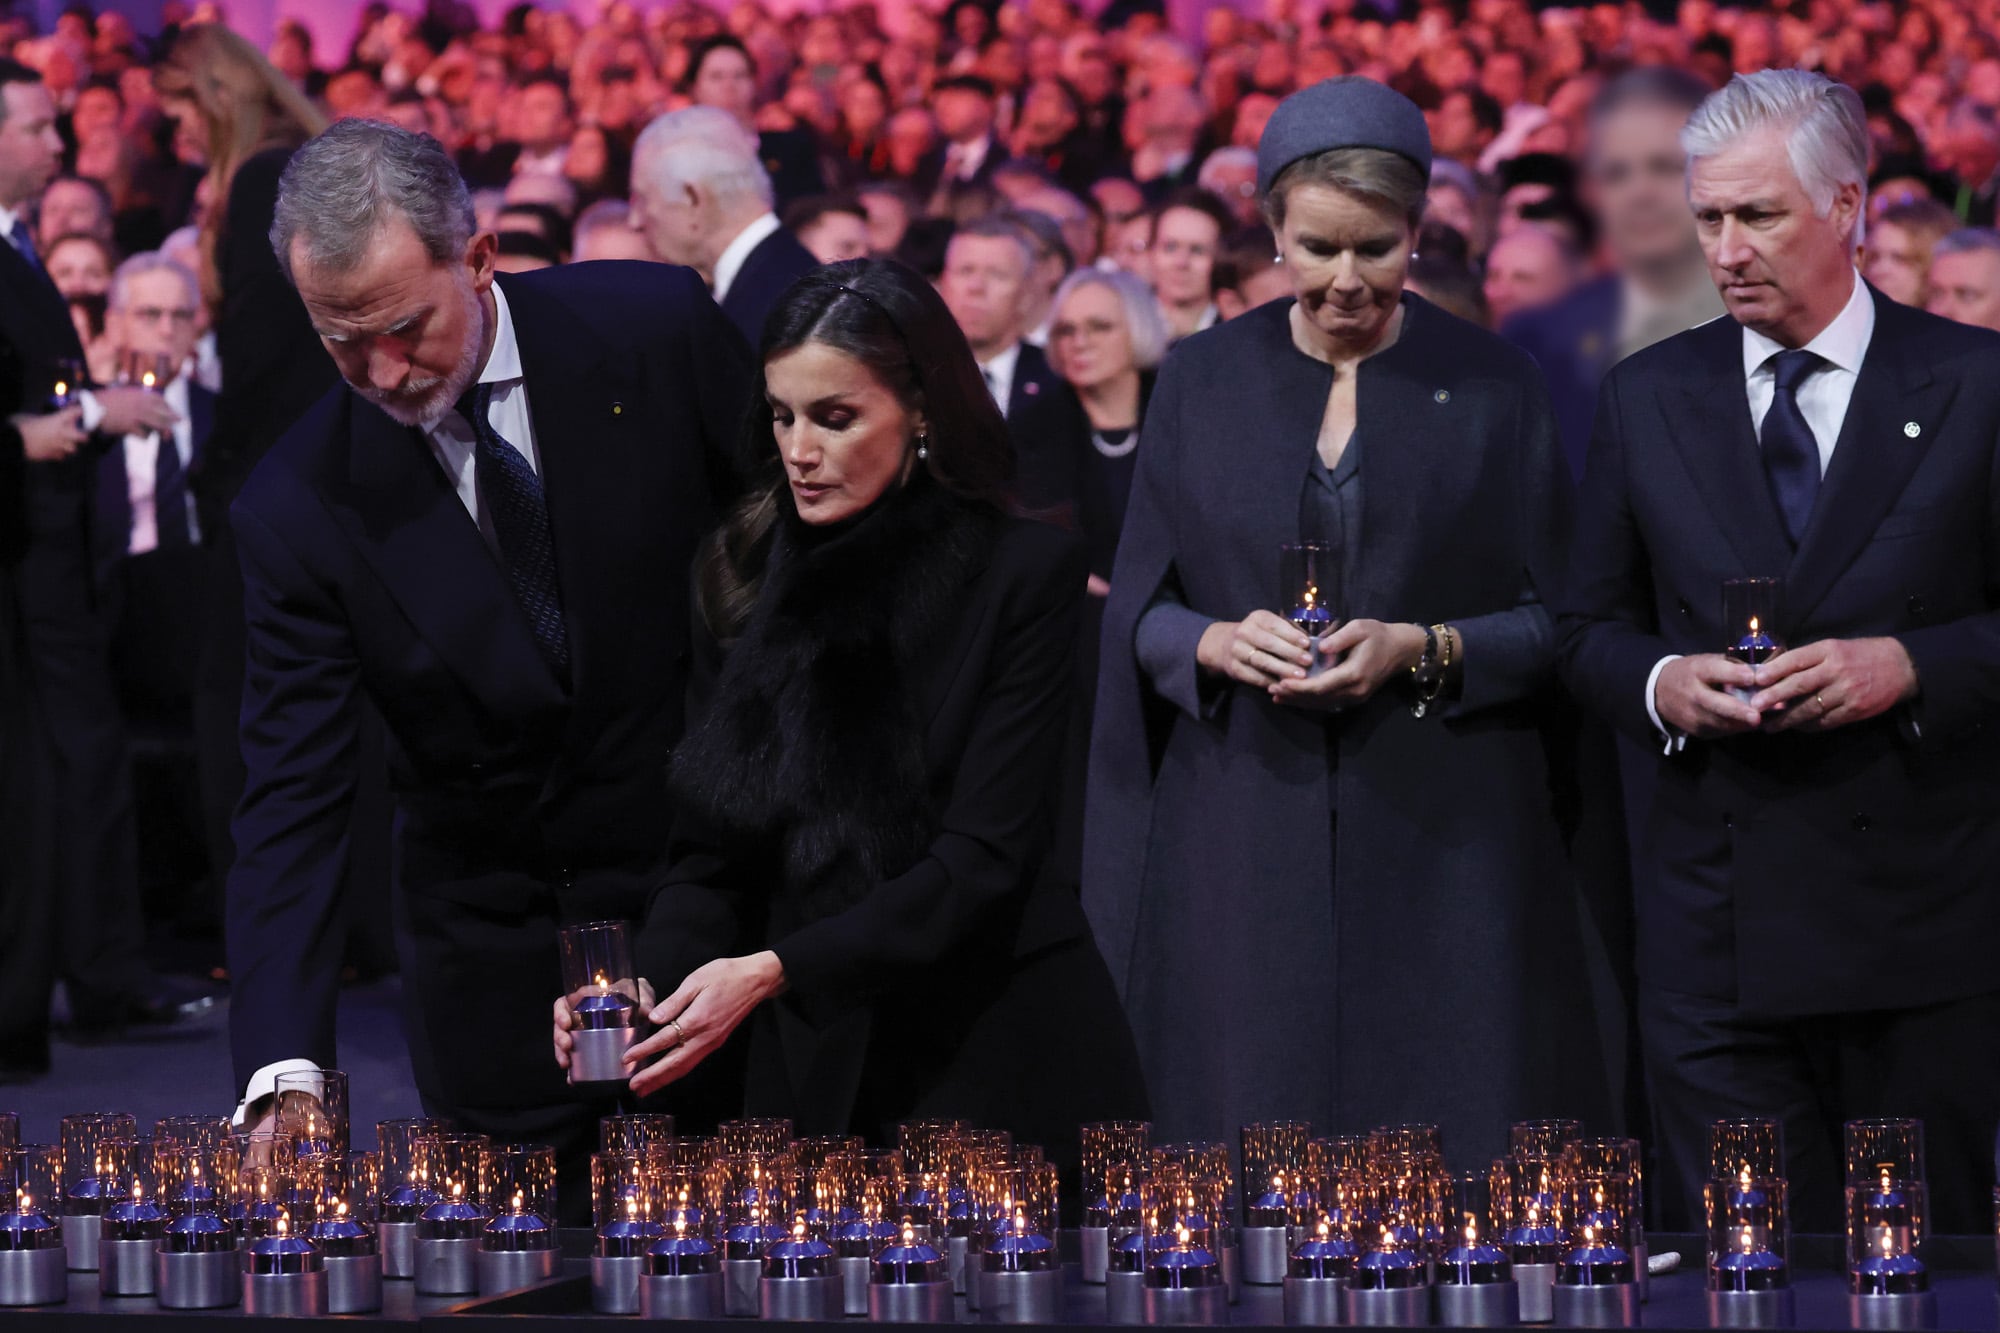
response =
{"points": [[1750, 617], [1755, 1144], [10, 1140], [754, 1190], [67, 384], [312, 1108], [923, 1143], [1749, 1233], [97, 1152], [625, 1204], [768, 1135], [1887, 1222], [603, 992], [198, 1131], [454, 1167], [263, 1197], [638, 1133], [1535, 1225], [521, 1193], [33, 1184], [1309, 592]]}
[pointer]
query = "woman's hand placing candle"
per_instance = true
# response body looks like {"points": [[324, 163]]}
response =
{"points": [[566, 1020], [1374, 653], [696, 1019]]}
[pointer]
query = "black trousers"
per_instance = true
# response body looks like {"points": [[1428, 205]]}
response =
{"points": [[1705, 1061]]}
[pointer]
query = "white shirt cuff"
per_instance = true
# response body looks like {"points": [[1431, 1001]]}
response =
{"points": [[265, 1082], [1671, 741], [93, 411]]}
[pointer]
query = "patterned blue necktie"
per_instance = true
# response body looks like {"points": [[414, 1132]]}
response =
{"points": [[170, 495], [1791, 455], [512, 494]]}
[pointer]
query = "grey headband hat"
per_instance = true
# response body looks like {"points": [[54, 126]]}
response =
{"points": [[1345, 112]]}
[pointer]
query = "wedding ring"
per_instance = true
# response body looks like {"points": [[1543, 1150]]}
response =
{"points": [[1820, 699], [679, 1035]]}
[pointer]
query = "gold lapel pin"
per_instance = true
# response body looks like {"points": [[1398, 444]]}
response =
{"points": [[618, 409]]}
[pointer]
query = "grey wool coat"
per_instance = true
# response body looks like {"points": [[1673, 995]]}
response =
{"points": [[1366, 917]]}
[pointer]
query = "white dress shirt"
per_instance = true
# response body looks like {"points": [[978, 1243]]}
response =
{"points": [[1823, 400], [730, 262], [451, 439], [142, 459], [999, 374], [963, 160], [455, 449]]}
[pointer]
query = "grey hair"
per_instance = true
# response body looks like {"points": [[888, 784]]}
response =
{"points": [[1222, 159], [1374, 174], [1826, 129], [1966, 241], [348, 181], [704, 146], [1143, 320], [150, 261]]}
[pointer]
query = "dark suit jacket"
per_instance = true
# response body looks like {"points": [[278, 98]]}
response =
{"points": [[777, 262], [791, 159], [363, 574], [1034, 379], [35, 332], [111, 520], [1799, 873], [1574, 341]]}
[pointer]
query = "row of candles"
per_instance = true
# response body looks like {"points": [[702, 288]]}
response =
{"points": [[1369, 1229]]}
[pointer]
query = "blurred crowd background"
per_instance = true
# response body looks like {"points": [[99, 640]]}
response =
{"points": [[1081, 185]]}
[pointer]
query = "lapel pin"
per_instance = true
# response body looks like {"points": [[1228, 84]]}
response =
{"points": [[1031, 388], [1442, 396], [618, 409], [1912, 429]]}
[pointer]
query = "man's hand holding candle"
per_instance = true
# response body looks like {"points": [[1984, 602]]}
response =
{"points": [[1833, 683], [1692, 696]]}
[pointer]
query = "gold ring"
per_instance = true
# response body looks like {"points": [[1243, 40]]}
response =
{"points": [[680, 1035], [1820, 699]]}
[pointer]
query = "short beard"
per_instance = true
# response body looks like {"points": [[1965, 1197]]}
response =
{"points": [[423, 403]]}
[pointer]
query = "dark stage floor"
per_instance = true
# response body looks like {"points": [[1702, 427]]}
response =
{"points": [[188, 1072]]}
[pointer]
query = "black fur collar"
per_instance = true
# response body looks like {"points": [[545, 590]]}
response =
{"points": [[815, 733]]}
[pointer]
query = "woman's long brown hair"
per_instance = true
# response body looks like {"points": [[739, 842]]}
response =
{"points": [[245, 106]]}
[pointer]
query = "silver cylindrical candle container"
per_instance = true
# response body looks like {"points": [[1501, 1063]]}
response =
{"points": [[1642, 1259], [517, 1250], [800, 1281], [396, 1233], [614, 1283], [352, 1257], [957, 1256], [1020, 1280], [1229, 1254], [127, 1242], [34, 1265], [1316, 1276], [1893, 1312], [597, 978], [683, 1279], [284, 1275], [597, 1054], [447, 1249], [1537, 1284], [743, 1248], [1388, 1288], [1475, 1288], [855, 1242], [1266, 1253], [81, 1235], [1777, 1308], [197, 1266], [1125, 1281], [1184, 1286], [908, 1284], [1093, 1247], [1595, 1288]]}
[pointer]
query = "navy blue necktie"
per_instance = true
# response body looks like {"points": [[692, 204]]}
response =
{"points": [[170, 491], [25, 243], [1791, 455], [512, 494]]}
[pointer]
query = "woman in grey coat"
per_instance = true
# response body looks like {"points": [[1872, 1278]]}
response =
{"points": [[1344, 896]]}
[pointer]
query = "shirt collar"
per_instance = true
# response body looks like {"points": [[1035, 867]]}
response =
{"points": [[1843, 343], [503, 363], [1003, 363], [730, 262], [9, 219]]}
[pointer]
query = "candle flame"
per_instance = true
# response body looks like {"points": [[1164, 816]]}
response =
{"points": [[603, 982], [24, 1201], [799, 1229], [1325, 1228], [282, 1226], [1471, 1231], [62, 387], [1749, 1240], [632, 1207], [457, 1190], [1181, 1235], [147, 379], [340, 1210], [520, 1202], [1888, 1241], [1885, 1178], [909, 1233], [1745, 1177], [138, 1191], [1753, 624]]}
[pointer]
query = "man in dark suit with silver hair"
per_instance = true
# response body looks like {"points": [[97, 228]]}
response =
{"points": [[487, 531], [1817, 921]]}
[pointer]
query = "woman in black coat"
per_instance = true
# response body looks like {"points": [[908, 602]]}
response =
{"points": [[863, 806], [1344, 897]]}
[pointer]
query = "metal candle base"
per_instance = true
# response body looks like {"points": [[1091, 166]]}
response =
{"points": [[353, 1284], [1404, 1307], [1313, 1302], [1894, 1313], [956, 1248], [1186, 1305], [801, 1298], [1641, 1260], [81, 1234], [502, 1271], [398, 1241], [1230, 1256], [1125, 1298], [292, 1294], [597, 1055], [1094, 1249], [1537, 1284], [125, 1267], [740, 1280], [1613, 1305], [1022, 1298], [1266, 1253], [34, 1277], [1752, 1309], [212, 1281], [447, 1267], [853, 1284], [681, 1296], [910, 1302], [614, 1283], [1478, 1305]]}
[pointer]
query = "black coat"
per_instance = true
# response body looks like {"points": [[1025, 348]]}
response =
{"points": [[518, 802], [768, 272], [1439, 975], [868, 794], [1798, 873]]}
